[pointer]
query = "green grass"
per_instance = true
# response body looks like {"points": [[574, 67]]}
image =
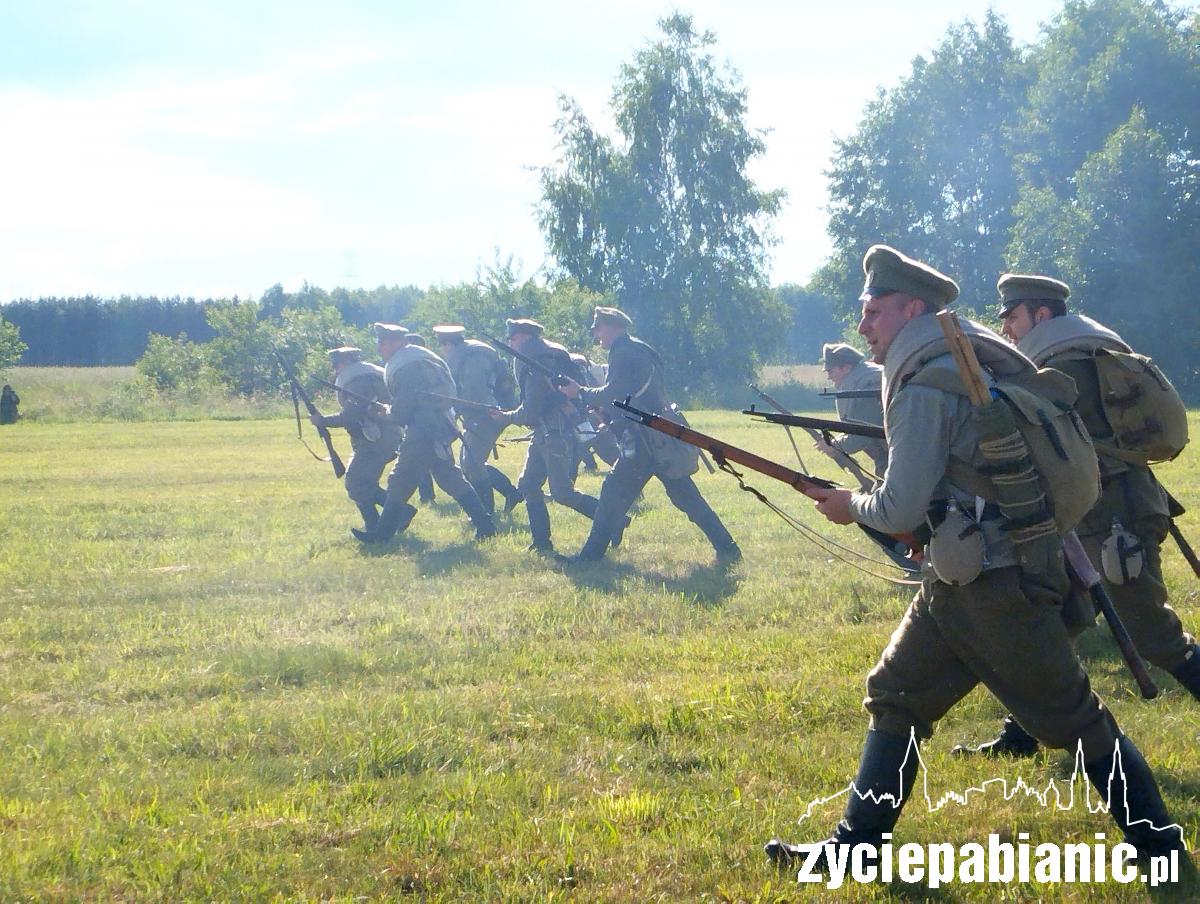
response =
{"points": [[60, 395], [210, 692]]}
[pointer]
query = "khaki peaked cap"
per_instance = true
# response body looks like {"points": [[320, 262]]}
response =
{"points": [[839, 354], [1015, 288], [887, 271], [612, 317], [523, 325], [450, 332], [345, 354], [388, 331]]}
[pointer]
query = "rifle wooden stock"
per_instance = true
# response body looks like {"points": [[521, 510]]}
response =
{"points": [[979, 394], [298, 393]]}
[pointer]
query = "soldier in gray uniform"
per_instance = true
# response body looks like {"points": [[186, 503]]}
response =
{"points": [[372, 437], [849, 371], [425, 488], [596, 437], [552, 456], [429, 430], [1003, 628], [1033, 316], [635, 372], [481, 376]]}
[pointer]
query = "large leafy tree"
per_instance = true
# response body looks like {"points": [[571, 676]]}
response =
{"points": [[928, 168], [665, 217]]}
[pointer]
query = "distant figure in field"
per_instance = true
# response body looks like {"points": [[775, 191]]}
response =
{"points": [[9, 400]]}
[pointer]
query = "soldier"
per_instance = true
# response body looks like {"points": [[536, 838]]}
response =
{"points": [[1033, 316], [373, 438], [635, 373], [9, 400], [552, 454], [425, 488], [412, 370], [481, 377], [849, 371], [1003, 628]]}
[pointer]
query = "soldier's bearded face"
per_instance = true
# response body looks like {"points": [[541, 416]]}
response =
{"points": [[883, 317]]}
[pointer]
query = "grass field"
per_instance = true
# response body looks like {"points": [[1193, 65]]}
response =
{"points": [[210, 692]]}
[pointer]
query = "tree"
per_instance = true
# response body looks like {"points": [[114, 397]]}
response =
{"points": [[929, 169], [11, 346], [1099, 60], [1126, 244], [667, 220]]}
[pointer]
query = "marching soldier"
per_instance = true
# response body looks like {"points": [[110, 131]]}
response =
{"points": [[849, 371], [411, 371], [425, 488], [1132, 510], [1003, 627], [635, 373], [552, 456], [373, 439], [481, 377]]}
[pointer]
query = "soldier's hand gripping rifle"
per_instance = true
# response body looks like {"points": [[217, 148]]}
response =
{"points": [[819, 434], [723, 452], [1077, 558], [300, 395]]}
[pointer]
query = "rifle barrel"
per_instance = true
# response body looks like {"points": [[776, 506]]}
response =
{"points": [[854, 428]]}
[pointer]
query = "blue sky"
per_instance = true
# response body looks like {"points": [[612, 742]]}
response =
{"points": [[217, 148]]}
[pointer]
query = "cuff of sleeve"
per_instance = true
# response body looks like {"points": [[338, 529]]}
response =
{"points": [[858, 506]]}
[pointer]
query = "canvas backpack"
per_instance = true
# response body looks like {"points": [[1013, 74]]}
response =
{"points": [[1148, 419], [1042, 406]]}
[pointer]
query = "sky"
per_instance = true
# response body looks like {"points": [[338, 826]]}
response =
{"points": [[214, 149]]}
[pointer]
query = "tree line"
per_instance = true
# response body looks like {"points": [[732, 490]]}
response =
{"points": [[1077, 156]]}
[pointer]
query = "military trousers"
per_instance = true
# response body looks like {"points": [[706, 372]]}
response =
{"points": [[1153, 625], [621, 488], [478, 441], [989, 631], [421, 455], [365, 470], [551, 458]]}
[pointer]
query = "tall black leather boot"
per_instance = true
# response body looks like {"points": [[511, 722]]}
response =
{"points": [[395, 517], [470, 503], [885, 777], [1135, 803], [1013, 741], [1188, 674], [369, 515]]}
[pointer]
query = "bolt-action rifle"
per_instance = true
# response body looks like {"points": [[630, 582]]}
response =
{"points": [[1085, 572], [850, 394], [300, 395], [382, 408], [820, 433], [1175, 509], [556, 379], [723, 453], [853, 428]]}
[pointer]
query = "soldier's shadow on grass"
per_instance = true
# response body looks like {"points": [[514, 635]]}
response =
{"points": [[430, 560], [708, 584]]}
